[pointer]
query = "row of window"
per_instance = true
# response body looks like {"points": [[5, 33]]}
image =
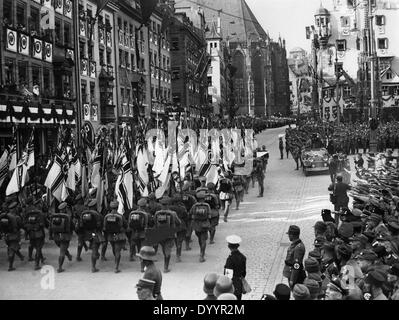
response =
{"points": [[160, 93], [390, 90], [382, 44], [163, 63]]}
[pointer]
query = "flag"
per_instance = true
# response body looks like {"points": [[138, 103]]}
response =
{"points": [[3, 166], [13, 157], [30, 151], [164, 178], [84, 184], [18, 179], [142, 168], [71, 182], [124, 186], [56, 178], [95, 178]]}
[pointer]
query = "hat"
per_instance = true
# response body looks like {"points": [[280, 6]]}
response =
{"points": [[315, 254], [114, 205], [294, 230], [223, 285], [92, 203], [282, 292], [376, 278], [227, 296], [165, 200], [142, 202], [12, 205], [312, 265], [147, 253], [313, 287], [316, 277], [62, 206], [146, 284], [394, 270], [301, 292], [368, 255], [210, 185], [356, 212], [200, 195], [345, 230], [320, 226], [210, 282], [319, 241], [344, 250], [393, 225], [361, 238], [233, 239]]}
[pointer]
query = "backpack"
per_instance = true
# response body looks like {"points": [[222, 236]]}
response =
{"points": [[200, 212], [137, 220], [209, 199], [6, 224], [163, 218], [112, 223], [88, 222], [59, 224], [33, 222]]}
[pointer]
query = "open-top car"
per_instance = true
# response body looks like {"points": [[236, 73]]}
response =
{"points": [[315, 160]]}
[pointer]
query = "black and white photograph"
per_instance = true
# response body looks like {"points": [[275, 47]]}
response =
{"points": [[192, 150]]}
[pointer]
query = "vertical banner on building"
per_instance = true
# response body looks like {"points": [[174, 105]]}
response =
{"points": [[94, 112], [69, 54], [84, 66], [59, 6], [86, 110], [23, 47], [101, 35], [11, 44], [48, 52], [47, 16], [68, 9], [92, 69], [109, 39], [37, 49]]}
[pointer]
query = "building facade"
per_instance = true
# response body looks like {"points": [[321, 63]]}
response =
{"points": [[189, 62], [38, 72], [344, 25]]}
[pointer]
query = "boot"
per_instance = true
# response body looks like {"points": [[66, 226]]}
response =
{"points": [[132, 254], [103, 250], [79, 253], [93, 265], [42, 258], [202, 254], [30, 253], [178, 253], [69, 256], [117, 261], [166, 265], [60, 263], [85, 246], [37, 261], [11, 263], [188, 248], [212, 236], [225, 218]]}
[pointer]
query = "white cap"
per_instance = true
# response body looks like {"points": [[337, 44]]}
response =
{"points": [[233, 239]]}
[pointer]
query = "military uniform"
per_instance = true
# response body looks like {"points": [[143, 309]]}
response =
{"points": [[78, 208], [214, 204], [294, 269], [138, 222], [168, 221], [34, 224], [61, 228], [200, 214], [238, 187], [90, 224], [10, 225], [181, 230], [236, 263], [151, 272], [115, 226], [188, 200]]}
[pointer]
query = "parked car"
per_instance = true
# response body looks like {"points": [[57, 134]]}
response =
{"points": [[315, 160]]}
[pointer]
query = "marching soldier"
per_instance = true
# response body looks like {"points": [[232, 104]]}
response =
{"points": [[200, 215], [293, 269], [238, 187], [281, 147], [181, 231], [115, 226], [188, 200], [34, 224], [138, 222], [10, 225], [225, 194], [90, 223], [166, 220], [61, 232], [78, 208], [260, 177], [213, 201]]}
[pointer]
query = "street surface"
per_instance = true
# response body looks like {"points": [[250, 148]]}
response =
{"points": [[262, 223]]}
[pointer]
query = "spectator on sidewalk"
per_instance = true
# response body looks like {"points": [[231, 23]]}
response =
{"points": [[301, 292], [209, 284]]}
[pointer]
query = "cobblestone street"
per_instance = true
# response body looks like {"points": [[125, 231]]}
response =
{"points": [[290, 198]]}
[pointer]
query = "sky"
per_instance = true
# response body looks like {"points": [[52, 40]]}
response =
{"points": [[288, 18]]}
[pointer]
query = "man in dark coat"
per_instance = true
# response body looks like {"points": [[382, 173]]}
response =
{"points": [[235, 267]]}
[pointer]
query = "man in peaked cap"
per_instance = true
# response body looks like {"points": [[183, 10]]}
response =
{"points": [[209, 284], [365, 259], [236, 265], [374, 282], [334, 290], [282, 292], [145, 288], [293, 269]]}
